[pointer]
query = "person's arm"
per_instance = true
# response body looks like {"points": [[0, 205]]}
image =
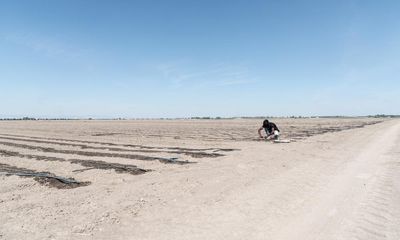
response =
{"points": [[259, 132], [271, 133]]}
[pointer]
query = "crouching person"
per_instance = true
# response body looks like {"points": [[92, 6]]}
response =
{"points": [[271, 130]]}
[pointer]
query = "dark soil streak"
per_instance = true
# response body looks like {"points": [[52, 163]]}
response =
{"points": [[119, 168], [105, 134], [45, 178], [127, 145], [82, 146], [93, 154], [301, 134]]}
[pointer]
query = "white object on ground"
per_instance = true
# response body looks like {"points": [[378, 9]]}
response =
{"points": [[282, 141]]}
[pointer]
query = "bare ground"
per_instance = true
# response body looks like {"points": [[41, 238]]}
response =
{"points": [[328, 184]]}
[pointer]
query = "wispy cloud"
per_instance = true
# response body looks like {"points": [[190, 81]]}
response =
{"points": [[46, 45], [220, 74], [230, 82]]}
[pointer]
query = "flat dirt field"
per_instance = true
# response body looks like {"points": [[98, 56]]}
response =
{"points": [[200, 179]]}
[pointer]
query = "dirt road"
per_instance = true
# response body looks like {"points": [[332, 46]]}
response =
{"points": [[340, 185], [361, 200]]}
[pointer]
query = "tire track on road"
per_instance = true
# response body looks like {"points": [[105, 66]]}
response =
{"points": [[376, 217]]}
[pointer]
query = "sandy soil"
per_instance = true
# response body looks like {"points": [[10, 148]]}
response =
{"points": [[199, 179]]}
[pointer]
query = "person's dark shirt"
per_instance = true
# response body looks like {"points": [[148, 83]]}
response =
{"points": [[269, 127]]}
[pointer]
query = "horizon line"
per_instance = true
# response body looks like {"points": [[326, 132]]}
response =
{"points": [[193, 118]]}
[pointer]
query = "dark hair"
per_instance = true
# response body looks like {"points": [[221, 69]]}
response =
{"points": [[265, 123]]}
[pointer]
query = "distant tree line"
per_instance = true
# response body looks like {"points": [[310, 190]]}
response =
{"points": [[383, 116], [37, 119], [193, 118], [18, 119]]}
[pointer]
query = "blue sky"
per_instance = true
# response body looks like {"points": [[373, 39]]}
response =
{"points": [[198, 58]]}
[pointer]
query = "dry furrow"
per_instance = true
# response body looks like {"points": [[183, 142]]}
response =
{"points": [[92, 164], [44, 178], [125, 145], [83, 146], [95, 154]]}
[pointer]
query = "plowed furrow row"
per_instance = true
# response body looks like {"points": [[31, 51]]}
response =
{"points": [[83, 146], [126, 145], [119, 168], [44, 178], [95, 154]]}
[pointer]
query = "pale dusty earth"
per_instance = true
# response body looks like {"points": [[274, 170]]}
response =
{"points": [[200, 179]]}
